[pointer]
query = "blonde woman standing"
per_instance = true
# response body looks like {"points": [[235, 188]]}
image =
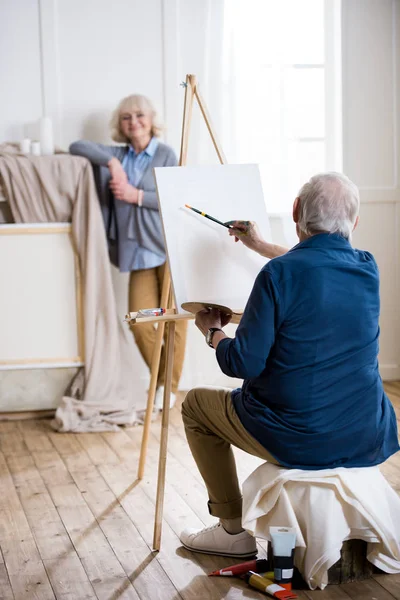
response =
{"points": [[126, 188]]}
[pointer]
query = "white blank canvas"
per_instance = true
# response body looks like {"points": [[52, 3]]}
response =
{"points": [[206, 264], [38, 317]]}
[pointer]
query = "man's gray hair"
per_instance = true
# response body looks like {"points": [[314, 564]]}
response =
{"points": [[329, 203]]}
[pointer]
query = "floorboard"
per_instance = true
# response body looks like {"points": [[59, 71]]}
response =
{"points": [[76, 524]]}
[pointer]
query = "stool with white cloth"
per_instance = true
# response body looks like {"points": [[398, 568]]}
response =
{"points": [[326, 507]]}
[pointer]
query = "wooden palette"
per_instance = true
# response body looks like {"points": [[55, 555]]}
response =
{"points": [[194, 307]]}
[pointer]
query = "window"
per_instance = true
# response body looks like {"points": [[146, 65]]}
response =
{"points": [[282, 91]]}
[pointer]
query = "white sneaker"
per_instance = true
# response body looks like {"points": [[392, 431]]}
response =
{"points": [[158, 400], [215, 540]]}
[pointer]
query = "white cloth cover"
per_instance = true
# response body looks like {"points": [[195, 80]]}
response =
{"points": [[326, 507]]}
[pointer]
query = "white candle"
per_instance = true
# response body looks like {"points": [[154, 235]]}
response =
{"points": [[46, 135], [35, 148], [25, 145]]}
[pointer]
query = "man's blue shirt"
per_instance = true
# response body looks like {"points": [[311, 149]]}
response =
{"points": [[307, 348]]}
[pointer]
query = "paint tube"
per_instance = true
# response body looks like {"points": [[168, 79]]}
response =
{"points": [[151, 312], [268, 587], [283, 540]]}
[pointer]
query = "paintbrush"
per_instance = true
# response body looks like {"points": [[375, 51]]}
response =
{"points": [[203, 214]]}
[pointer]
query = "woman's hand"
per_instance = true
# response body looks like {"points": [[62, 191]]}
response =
{"points": [[117, 171], [124, 191], [211, 317], [119, 185]]}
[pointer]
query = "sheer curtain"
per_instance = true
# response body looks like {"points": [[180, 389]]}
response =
{"points": [[193, 43], [281, 95], [269, 73]]}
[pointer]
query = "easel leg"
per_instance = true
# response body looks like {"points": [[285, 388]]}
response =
{"points": [[191, 91], [162, 463], [155, 366], [207, 119], [155, 363], [187, 117]]}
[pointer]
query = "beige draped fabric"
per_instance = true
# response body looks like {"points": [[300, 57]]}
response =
{"points": [[60, 188]]}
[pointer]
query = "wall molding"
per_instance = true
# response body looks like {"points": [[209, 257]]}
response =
{"points": [[367, 16], [172, 93], [333, 85], [379, 196], [50, 65], [395, 91], [389, 372]]}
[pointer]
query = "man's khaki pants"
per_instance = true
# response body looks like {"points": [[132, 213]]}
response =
{"points": [[212, 427], [145, 292]]}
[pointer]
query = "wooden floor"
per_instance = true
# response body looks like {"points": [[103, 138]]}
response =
{"points": [[75, 524]]}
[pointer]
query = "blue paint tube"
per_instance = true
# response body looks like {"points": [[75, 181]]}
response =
{"points": [[283, 540]]}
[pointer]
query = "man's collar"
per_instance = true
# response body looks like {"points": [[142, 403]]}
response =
{"points": [[323, 240]]}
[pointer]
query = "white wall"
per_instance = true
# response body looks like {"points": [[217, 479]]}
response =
{"points": [[20, 67], [371, 109], [74, 60]]}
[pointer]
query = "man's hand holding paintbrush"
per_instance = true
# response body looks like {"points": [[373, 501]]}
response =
{"points": [[249, 234]]}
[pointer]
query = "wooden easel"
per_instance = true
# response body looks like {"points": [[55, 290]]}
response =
{"points": [[191, 92]]}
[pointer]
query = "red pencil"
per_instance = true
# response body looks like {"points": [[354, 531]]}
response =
{"points": [[258, 566]]}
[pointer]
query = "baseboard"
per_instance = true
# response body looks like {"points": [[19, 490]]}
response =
{"points": [[24, 415], [390, 372]]}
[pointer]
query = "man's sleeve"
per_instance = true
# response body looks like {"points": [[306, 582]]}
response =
{"points": [[245, 355]]}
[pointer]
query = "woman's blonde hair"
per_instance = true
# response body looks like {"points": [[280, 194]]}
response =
{"points": [[129, 104]]}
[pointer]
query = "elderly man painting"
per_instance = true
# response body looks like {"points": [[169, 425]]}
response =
{"points": [[307, 349]]}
